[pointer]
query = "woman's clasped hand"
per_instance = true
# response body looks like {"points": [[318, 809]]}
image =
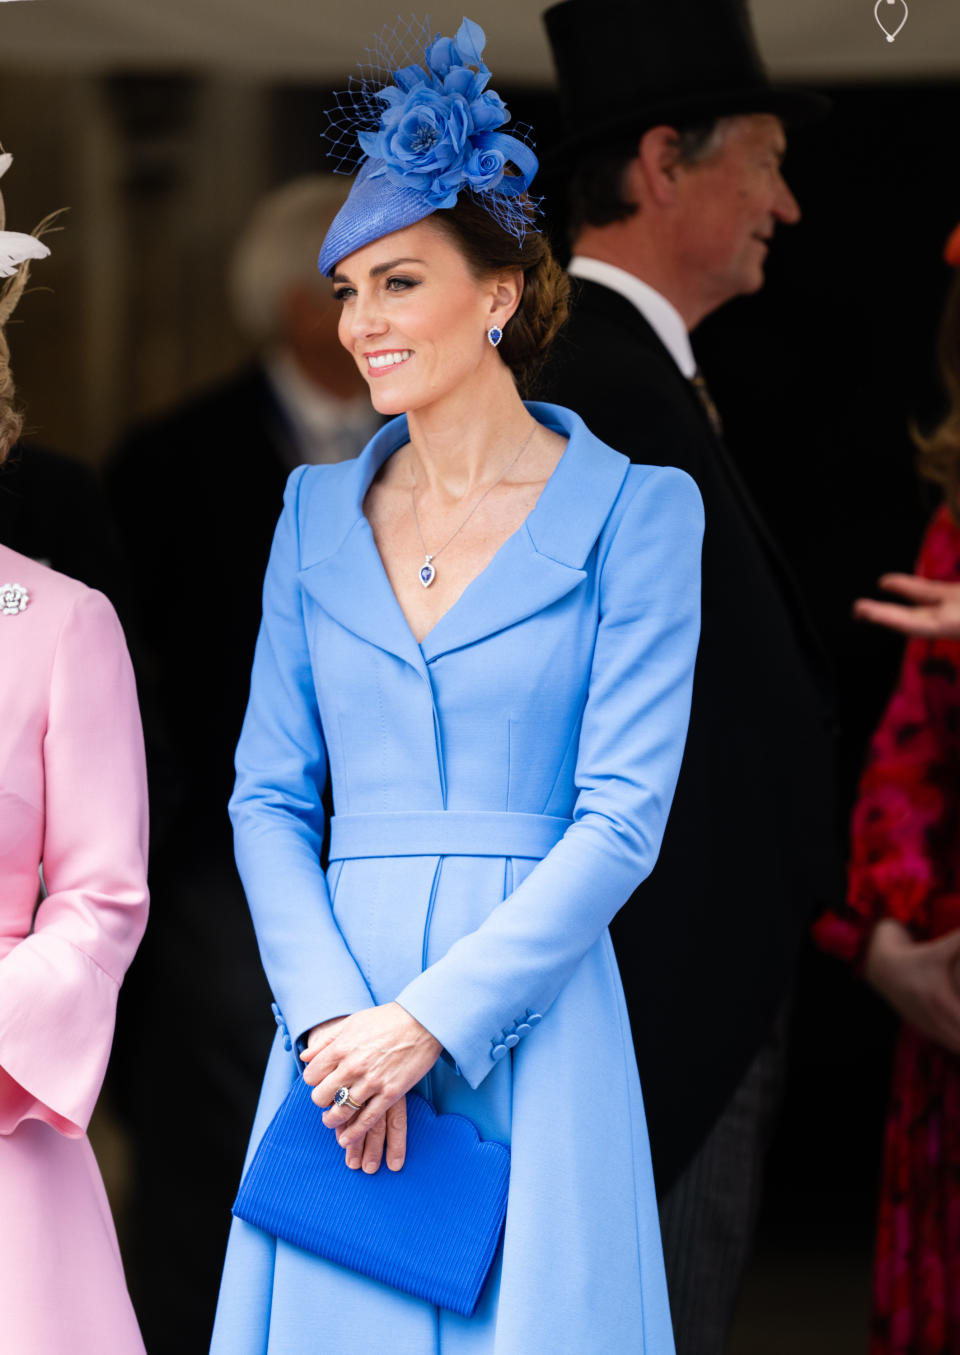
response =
{"points": [[378, 1054], [920, 979]]}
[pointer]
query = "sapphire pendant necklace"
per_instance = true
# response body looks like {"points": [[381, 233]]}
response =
{"points": [[428, 570]]}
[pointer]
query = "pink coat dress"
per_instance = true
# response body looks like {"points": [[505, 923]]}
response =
{"points": [[72, 800]]}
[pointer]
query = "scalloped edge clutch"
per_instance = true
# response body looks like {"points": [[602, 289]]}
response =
{"points": [[430, 1230]]}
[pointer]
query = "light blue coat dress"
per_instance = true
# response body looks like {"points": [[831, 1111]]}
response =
{"points": [[500, 790]]}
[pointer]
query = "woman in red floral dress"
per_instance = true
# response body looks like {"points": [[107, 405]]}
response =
{"points": [[901, 926]]}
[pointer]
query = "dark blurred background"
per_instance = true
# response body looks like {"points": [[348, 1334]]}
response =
{"points": [[160, 126]]}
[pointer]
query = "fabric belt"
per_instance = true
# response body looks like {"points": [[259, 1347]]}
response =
{"points": [[444, 832]]}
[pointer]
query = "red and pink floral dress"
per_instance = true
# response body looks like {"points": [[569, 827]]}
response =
{"points": [[905, 864]]}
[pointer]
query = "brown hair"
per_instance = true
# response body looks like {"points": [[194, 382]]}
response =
{"points": [[938, 456], [11, 290], [488, 248], [11, 418]]}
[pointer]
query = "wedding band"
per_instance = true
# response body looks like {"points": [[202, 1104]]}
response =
{"points": [[342, 1097]]}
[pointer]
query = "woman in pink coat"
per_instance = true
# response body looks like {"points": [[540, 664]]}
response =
{"points": [[73, 834]]}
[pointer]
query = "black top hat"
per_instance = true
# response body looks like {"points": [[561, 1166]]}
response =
{"points": [[626, 65]]}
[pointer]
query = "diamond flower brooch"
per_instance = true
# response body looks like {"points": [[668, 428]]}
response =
{"points": [[13, 599]]}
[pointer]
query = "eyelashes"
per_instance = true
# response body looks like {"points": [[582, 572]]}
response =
{"points": [[394, 283]]}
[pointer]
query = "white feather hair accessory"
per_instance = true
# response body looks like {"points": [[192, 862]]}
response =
{"points": [[15, 247]]}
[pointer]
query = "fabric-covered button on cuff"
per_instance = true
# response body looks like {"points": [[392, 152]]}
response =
{"points": [[524, 1028], [498, 1051], [282, 1026], [511, 1040]]}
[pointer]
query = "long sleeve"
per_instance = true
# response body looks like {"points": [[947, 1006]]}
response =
{"points": [[58, 986], [630, 746], [276, 807], [905, 814]]}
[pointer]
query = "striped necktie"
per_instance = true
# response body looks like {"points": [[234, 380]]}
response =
{"points": [[706, 399]]}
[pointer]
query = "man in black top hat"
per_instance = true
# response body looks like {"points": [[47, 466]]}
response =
{"points": [[674, 141]]}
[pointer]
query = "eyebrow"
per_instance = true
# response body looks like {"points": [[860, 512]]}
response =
{"points": [[379, 270]]}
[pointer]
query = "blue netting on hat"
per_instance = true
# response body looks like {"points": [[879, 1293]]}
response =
{"points": [[420, 118], [358, 108]]}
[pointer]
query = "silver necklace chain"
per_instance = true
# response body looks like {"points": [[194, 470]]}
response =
{"points": [[428, 572]]}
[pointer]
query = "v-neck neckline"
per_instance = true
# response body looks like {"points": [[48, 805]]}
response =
{"points": [[523, 528], [341, 568]]}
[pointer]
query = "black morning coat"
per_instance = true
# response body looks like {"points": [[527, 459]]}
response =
{"points": [[196, 493], [707, 945]]}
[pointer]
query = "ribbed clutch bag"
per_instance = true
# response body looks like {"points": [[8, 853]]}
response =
{"points": [[430, 1229]]}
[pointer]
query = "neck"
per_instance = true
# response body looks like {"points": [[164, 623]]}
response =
{"points": [[652, 260], [461, 443]]}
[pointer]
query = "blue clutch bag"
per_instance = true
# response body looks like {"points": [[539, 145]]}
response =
{"points": [[430, 1229]]}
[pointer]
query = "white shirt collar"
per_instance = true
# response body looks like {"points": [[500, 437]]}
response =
{"points": [[663, 318], [325, 427]]}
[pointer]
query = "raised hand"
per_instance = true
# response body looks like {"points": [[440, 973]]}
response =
{"points": [[935, 614]]}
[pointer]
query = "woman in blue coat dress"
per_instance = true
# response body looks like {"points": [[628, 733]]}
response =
{"points": [[483, 633]]}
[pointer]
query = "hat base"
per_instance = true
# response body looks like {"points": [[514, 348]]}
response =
{"points": [[795, 108], [374, 208]]}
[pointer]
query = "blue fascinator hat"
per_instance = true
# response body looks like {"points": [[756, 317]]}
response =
{"points": [[423, 133]]}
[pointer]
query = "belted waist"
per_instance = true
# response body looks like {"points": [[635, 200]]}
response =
{"points": [[444, 832]]}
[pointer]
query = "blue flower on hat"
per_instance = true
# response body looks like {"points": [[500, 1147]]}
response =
{"points": [[425, 132], [437, 133]]}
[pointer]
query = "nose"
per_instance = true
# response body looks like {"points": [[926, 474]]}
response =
{"points": [[785, 206], [365, 316]]}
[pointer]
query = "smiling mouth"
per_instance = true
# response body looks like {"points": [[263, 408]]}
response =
{"points": [[382, 361]]}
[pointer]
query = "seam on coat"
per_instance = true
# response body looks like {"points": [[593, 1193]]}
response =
{"points": [[65, 621], [574, 738], [343, 760], [626, 1044], [384, 798], [428, 919]]}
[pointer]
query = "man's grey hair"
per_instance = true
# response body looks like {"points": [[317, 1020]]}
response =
{"points": [[695, 144], [278, 250]]}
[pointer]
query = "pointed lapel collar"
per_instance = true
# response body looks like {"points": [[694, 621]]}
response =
{"points": [[535, 567], [340, 564], [543, 560]]}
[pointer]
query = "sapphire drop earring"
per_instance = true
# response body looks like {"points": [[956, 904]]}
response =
{"points": [[494, 334]]}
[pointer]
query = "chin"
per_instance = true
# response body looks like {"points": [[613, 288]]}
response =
{"points": [[386, 402], [752, 281]]}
